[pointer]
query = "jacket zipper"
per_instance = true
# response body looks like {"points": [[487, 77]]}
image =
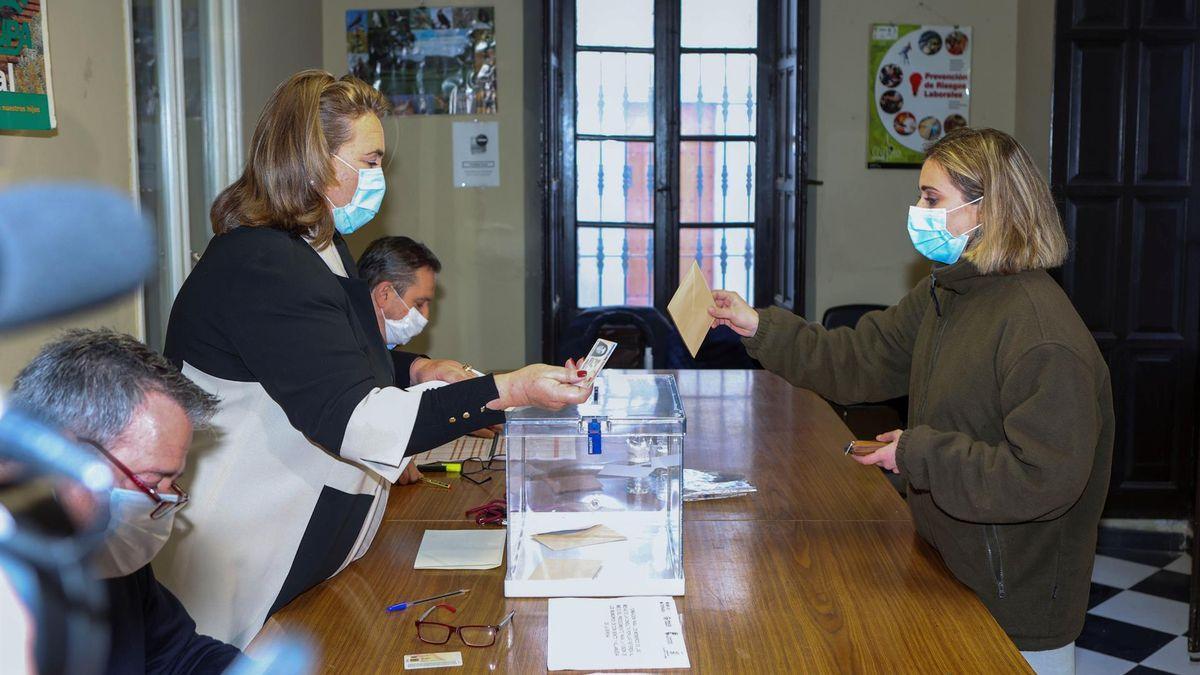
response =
{"points": [[937, 344], [937, 306], [995, 554]]}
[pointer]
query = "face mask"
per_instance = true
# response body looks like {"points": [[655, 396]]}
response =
{"points": [[364, 204], [400, 331], [133, 538], [927, 229]]}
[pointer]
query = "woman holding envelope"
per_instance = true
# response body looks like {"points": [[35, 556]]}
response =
{"points": [[317, 417], [1009, 440]]}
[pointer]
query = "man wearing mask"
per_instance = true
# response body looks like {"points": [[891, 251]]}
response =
{"points": [[117, 395], [402, 276]]}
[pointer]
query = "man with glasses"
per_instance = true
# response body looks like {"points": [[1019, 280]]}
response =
{"points": [[117, 395]]}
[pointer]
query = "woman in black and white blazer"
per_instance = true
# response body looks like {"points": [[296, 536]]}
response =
{"points": [[315, 421]]}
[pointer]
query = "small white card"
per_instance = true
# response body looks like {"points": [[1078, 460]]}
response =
{"points": [[437, 660], [615, 634], [595, 360]]}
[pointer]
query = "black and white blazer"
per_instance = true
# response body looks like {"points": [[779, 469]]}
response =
{"points": [[315, 424]]}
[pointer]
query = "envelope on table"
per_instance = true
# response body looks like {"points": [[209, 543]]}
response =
{"points": [[588, 536], [460, 550], [689, 308]]}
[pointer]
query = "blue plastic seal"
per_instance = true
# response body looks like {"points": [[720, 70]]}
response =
{"points": [[594, 441]]}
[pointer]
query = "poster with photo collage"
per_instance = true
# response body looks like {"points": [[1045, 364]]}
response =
{"points": [[920, 88]]}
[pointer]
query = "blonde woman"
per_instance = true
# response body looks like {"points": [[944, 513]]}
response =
{"points": [[315, 421], [1009, 440]]}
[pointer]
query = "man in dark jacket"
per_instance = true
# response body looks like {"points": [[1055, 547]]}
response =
{"points": [[138, 411]]}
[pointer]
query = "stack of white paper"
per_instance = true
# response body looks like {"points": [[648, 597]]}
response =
{"points": [[461, 550], [614, 634]]}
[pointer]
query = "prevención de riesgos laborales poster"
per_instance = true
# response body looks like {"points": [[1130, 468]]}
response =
{"points": [[920, 88]]}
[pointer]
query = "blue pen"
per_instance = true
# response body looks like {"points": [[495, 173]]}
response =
{"points": [[405, 605]]}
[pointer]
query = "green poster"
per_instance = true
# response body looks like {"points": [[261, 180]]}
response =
{"points": [[25, 100], [919, 88]]}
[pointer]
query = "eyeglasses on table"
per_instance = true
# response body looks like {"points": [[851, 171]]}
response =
{"points": [[437, 633]]}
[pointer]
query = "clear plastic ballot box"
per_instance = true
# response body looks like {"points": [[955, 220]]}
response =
{"points": [[595, 493]]}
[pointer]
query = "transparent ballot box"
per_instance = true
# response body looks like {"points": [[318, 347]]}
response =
{"points": [[595, 493]]}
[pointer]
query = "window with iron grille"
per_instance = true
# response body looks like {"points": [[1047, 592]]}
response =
{"points": [[668, 148]]}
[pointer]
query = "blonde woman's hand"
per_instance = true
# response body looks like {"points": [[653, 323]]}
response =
{"points": [[885, 456], [733, 311]]}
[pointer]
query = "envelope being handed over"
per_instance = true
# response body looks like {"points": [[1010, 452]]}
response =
{"points": [[689, 308]]}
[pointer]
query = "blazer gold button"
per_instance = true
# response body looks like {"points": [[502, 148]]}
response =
{"points": [[452, 420], [466, 415]]}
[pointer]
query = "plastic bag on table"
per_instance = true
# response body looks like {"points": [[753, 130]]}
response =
{"points": [[702, 485]]}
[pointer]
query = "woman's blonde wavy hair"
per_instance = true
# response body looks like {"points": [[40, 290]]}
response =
{"points": [[290, 160], [1019, 226]]}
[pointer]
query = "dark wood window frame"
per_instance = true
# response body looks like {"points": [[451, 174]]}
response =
{"points": [[780, 159]]}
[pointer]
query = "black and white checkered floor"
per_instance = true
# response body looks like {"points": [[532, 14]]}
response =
{"points": [[1137, 615]]}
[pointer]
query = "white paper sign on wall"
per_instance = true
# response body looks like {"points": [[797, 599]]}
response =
{"points": [[476, 154]]}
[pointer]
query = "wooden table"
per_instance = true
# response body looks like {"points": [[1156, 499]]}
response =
{"points": [[819, 572]]}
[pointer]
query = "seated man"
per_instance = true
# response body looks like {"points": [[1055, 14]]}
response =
{"points": [[402, 276], [119, 396]]}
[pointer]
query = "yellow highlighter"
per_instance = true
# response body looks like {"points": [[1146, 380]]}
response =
{"points": [[444, 467]]}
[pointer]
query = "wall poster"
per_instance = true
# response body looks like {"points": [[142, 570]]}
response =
{"points": [[920, 88], [426, 60], [25, 99]]}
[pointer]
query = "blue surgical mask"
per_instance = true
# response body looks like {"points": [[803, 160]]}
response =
{"points": [[927, 229], [364, 204]]}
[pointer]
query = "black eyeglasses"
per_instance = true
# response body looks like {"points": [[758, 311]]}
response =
{"points": [[473, 466], [163, 507]]}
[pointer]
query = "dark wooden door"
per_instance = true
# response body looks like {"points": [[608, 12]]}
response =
{"points": [[1124, 169]]}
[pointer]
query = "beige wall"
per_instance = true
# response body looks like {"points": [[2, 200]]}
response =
{"points": [[858, 248], [1035, 78], [479, 234], [274, 43], [89, 49]]}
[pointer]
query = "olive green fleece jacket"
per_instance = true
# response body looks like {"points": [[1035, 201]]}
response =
{"points": [[1010, 432]]}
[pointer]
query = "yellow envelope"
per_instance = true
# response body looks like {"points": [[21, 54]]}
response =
{"points": [[689, 308], [567, 539]]}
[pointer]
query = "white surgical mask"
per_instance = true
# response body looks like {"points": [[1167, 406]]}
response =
{"points": [[133, 538], [400, 331]]}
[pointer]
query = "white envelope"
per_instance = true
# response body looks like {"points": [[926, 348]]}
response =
{"points": [[461, 550]]}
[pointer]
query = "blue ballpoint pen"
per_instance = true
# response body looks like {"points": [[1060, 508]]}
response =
{"points": [[405, 605]]}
